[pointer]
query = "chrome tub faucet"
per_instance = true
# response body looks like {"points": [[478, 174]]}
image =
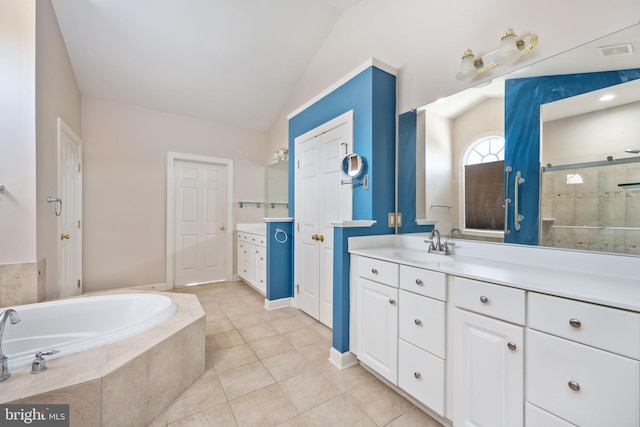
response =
{"points": [[13, 317]]}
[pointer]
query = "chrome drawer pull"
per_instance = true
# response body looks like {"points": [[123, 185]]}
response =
{"points": [[418, 282], [374, 271], [573, 385], [417, 375], [392, 302], [417, 322], [484, 299], [511, 346], [575, 323]]}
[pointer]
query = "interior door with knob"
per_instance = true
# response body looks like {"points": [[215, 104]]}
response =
{"points": [[320, 199]]}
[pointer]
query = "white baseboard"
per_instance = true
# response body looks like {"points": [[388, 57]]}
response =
{"points": [[342, 360], [277, 303], [158, 287]]}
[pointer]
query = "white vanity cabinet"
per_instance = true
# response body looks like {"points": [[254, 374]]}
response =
{"points": [[488, 354], [377, 321], [582, 363], [252, 260]]}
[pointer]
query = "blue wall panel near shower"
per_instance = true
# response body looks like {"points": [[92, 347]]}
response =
{"points": [[523, 98], [372, 96], [279, 265]]}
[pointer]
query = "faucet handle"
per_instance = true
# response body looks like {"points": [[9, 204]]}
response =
{"points": [[40, 364], [447, 247]]}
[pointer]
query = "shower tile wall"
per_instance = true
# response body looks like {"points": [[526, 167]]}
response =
{"points": [[22, 283], [591, 198]]}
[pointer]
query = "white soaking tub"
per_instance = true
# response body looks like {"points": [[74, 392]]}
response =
{"points": [[78, 324]]}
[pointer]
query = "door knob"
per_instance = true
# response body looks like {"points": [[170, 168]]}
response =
{"points": [[222, 227], [314, 237], [321, 238], [64, 236]]}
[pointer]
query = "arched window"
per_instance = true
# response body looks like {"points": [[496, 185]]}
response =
{"points": [[484, 184]]}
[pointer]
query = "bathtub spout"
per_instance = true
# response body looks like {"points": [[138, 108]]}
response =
{"points": [[13, 317]]}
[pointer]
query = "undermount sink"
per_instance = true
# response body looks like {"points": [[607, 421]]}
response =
{"points": [[420, 256]]}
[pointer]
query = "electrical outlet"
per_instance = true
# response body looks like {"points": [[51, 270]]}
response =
{"points": [[392, 219], [399, 219]]}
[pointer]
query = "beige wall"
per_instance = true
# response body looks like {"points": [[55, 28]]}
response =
{"points": [[125, 162], [17, 131], [57, 95]]}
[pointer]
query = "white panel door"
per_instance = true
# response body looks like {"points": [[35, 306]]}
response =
{"points": [[70, 211], [320, 200], [200, 220]]}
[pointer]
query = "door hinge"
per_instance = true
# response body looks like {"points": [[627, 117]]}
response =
{"points": [[78, 282], [298, 227], [297, 288], [298, 164], [79, 223], [79, 167]]}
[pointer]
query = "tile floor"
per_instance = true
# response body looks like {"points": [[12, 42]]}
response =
{"points": [[270, 368]]}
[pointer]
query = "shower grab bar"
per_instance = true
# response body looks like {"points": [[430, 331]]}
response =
{"points": [[517, 217], [507, 200]]}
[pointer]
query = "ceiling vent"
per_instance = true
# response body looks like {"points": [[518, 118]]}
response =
{"points": [[616, 50]]}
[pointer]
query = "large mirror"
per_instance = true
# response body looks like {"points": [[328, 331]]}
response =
{"points": [[277, 190], [503, 162]]}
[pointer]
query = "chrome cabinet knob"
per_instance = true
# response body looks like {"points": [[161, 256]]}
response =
{"points": [[575, 323], [419, 282], [511, 346], [418, 322], [417, 375], [392, 302], [574, 385], [484, 299], [374, 271]]}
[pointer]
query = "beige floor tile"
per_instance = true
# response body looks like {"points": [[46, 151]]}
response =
{"points": [[294, 422], [286, 365], [246, 320], [317, 354], [286, 324], [415, 417], [302, 337], [257, 331], [270, 346], [218, 416], [232, 357], [346, 379], [324, 331], [216, 326], [244, 379], [279, 313], [308, 389], [205, 393], [378, 401], [336, 412], [264, 407], [223, 340]]}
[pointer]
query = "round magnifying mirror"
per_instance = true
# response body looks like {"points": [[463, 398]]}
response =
{"points": [[352, 165]]}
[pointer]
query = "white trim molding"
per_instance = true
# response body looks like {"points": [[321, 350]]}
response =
{"points": [[342, 360], [278, 303]]}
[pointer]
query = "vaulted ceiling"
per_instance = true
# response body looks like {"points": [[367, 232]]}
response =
{"points": [[229, 61]]}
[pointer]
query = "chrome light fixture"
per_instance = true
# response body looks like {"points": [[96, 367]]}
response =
{"points": [[511, 48], [281, 154]]}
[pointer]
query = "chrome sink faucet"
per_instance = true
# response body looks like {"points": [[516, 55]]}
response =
{"points": [[13, 317], [438, 246]]}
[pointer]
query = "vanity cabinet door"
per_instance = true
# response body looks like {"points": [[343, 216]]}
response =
{"points": [[487, 371], [244, 260], [377, 328]]}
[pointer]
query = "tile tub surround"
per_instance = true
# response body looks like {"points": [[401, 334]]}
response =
{"points": [[22, 283], [129, 382], [270, 368]]}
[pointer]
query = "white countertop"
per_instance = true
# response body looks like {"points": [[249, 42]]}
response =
{"points": [[590, 286], [253, 228]]}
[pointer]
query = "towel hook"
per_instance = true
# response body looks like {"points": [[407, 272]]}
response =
{"points": [[58, 205]]}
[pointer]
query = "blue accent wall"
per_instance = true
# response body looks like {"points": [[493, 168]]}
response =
{"points": [[279, 261], [372, 96], [523, 98]]}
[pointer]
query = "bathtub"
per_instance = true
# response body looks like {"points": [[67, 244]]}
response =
{"points": [[77, 324]]}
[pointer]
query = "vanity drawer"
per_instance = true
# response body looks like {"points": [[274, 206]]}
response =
{"points": [[581, 384], [422, 376], [536, 417], [257, 239], [243, 237], [421, 322], [603, 327], [492, 300], [424, 282], [378, 271]]}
